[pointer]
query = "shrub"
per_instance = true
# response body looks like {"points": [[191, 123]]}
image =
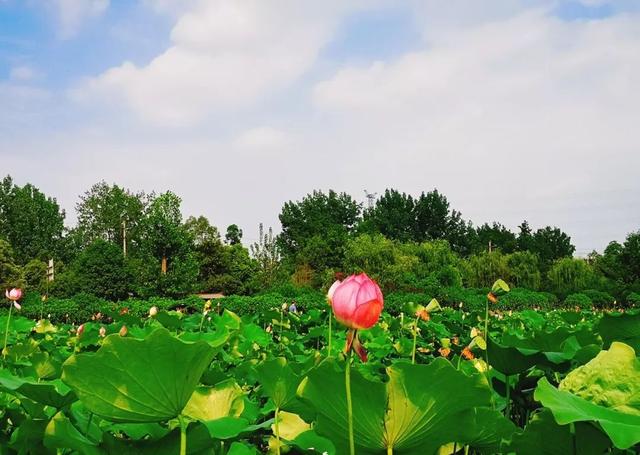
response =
{"points": [[600, 299], [578, 300], [633, 299]]}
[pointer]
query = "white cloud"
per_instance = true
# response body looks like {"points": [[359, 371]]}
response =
{"points": [[524, 117], [22, 73], [224, 56], [73, 13], [263, 138]]}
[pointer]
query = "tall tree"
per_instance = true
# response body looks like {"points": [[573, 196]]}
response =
{"points": [[315, 230], [30, 221], [266, 252], [393, 216], [550, 244], [630, 256], [498, 236], [110, 212], [432, 217], [525, 241], [233, 235]]}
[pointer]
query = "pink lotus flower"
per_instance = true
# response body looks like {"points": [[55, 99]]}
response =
{"points": [[357, 302], [80, 330], [332, 290], [13, 294]]}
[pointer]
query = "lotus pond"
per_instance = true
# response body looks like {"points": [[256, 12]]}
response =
{"points": [[217, 383]]}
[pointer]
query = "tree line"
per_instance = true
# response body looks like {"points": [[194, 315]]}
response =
{"points": [[138, 244]]}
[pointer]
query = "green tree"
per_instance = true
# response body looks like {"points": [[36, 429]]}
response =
{"points": [[524, 270], [609, 264], [10, 275], [233, 235], [30, 221], [525, 241], [316, 229], [550, 244], [483, 269], [267, 254], [630, 256], [432, 217], [498, 236], [35, 275], [108, 212], [569, 275], [209, 252], [101, 270], [393, 216]]}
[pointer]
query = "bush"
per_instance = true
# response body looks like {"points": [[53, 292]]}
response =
{"points": [[578, 300], [633, 299], [523, 299], [600, 299]]}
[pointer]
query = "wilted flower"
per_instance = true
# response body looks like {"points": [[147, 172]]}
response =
{"points": [[80, 330], [456, 341], [123, 331], [153, 311], [492, 297], [423, 314], [102, 332], [444, 352], [124, 311], [474, 332], [13, 294], [467, 354]]}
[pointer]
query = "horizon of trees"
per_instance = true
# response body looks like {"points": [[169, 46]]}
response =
{"points": [[139, 244]]}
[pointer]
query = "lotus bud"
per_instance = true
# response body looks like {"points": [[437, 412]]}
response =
{"points": [[123, 331], [13, 294], [102, 332], [284, 307], [357, 302], [153, 311], [17, 305], [80, 330], [332, 290]]}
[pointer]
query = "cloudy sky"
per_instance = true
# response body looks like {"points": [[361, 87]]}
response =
{"points": [[514, 109]]}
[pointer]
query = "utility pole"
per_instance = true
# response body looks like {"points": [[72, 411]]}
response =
{"points": [[490, 246]]}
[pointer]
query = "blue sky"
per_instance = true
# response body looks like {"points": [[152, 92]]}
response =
{"points": [[289, 96]]}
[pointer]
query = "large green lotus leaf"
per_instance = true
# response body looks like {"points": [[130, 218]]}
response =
{"points": [[131, 380], [623, 327], [611, 379], [54, 393], [278, 380], [543, 436], [215, 339], [198, 443], [623, 429], [418, 410], [60, 433], [511, 360], [485, 429], [27, 438], [210, 403]]}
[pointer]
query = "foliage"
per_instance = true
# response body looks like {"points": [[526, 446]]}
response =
{"points": [[578, 300], [10, 275], [569, 275]]}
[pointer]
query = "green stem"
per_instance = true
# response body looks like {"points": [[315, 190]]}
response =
{"points": [[507, 411], [277, 428], [415, 340], [6, 333], [201, 322], [347, 380], [486, 333], [330, 319], [183, 435], [389, 450]]}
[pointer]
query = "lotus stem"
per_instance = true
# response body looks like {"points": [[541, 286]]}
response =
{"points": [[6, 333], [415, 340], [389, 450], [277, 428], [507, 411], [486, 333], [183, 435], [330, 319], [347, 380]]}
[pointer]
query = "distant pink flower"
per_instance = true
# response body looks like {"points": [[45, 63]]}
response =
{"points": [[13, 294], [80, 330], [357, 302]]}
